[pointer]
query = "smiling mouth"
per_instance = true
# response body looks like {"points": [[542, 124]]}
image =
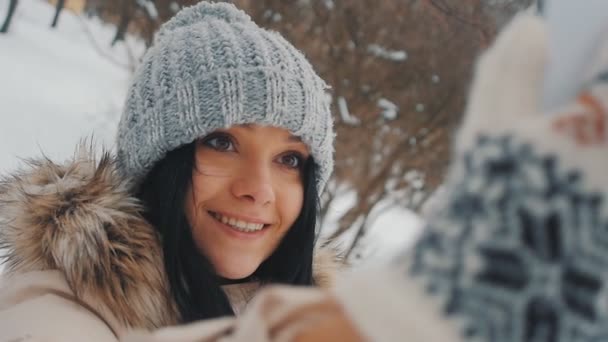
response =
{"points": [[240, 225]]}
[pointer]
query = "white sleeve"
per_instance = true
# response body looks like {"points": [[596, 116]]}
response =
{"points": [[387, 305]]}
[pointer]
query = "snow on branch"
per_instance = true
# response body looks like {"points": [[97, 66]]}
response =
{"points": [[389, 109], [345, 114], [149, 7], [391, 55], [174, 7]]}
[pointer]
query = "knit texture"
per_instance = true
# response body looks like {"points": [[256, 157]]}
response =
{"points": [[212, 67], [519, 252]]}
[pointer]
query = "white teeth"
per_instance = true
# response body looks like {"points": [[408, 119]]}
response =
{"points": [[238, 224]]}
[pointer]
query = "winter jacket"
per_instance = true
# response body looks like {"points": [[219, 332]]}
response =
{"points": [[81, 262]]}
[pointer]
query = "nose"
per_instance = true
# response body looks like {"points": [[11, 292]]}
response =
{"points": [[254, 184]]}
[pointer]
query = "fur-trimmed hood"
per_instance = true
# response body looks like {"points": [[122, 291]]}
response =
{"points": [[79, 218]]}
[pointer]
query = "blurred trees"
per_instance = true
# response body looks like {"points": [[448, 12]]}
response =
{"points": [[58, 8], [12, 6], [399, 71]]}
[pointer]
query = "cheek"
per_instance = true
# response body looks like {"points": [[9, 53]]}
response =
{"points": [[290, 201], [202, 189]]}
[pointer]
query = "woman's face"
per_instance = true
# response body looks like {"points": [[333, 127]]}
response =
{"points": [[246, 194]]}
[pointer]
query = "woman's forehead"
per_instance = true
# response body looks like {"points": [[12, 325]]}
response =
{"points": [[265, 131]]}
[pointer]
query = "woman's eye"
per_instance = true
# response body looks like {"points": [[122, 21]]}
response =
{"points": [[292, 161], [219, 143]]}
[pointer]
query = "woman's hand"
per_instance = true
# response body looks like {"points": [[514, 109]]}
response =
{"points": [[297, 314], [331, 324]]}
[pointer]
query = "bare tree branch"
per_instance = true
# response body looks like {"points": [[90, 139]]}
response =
{"points": [[12, 6], [58, 9], [102, 52]]}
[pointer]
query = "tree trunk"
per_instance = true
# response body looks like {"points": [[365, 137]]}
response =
{"points": [[125, 19], [12, 5], [58, 9]]}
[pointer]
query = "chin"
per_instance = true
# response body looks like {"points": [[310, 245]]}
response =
{"points": [[235, 273]]}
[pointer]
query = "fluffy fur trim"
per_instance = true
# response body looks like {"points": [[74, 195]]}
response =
{"points": [[78, 217], [326, 265]]}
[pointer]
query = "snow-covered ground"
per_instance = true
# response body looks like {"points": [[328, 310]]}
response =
{"points": [[55, 87], [58, 86]]}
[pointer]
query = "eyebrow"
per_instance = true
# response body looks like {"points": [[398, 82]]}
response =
{"points": [[294, 138]]}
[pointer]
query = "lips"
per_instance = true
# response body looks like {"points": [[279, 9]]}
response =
{"points": [[238, 224]]}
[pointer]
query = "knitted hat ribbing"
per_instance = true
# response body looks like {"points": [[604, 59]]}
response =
{"points": [[211, 67]]}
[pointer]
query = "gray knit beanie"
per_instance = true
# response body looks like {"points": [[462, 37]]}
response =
{"points": [[212, 67]]}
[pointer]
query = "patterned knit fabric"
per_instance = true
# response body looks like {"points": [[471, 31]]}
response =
{"points": [[520, 253], [211, 67]]}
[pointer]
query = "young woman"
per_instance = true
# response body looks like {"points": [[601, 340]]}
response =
{"points": [[224, 145]]}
